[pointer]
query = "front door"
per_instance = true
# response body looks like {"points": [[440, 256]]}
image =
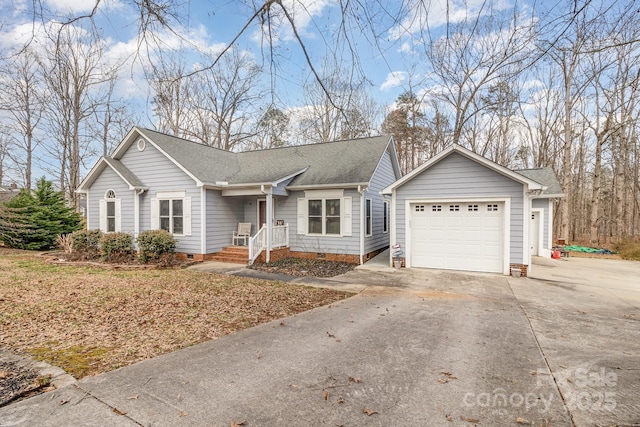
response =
{"points": [[262, 213]]}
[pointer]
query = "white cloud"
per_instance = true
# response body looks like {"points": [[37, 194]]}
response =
{"points": [[302, 13], [71, 6], [423, 15], [394, 79]]}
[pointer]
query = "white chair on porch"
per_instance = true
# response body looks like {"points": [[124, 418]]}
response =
{"points": [[243, 233]]}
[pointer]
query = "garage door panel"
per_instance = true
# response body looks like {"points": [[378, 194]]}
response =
{"points": [[460, 236]]}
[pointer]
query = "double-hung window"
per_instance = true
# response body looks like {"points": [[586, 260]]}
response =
{"points": [[110, 212], [324, 213], [171, 211], [324, 216], [368, 225], [171, 216]]}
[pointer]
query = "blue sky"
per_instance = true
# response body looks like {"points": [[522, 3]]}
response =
{"points": [[212, 24]]}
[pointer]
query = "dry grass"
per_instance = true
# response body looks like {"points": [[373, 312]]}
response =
{"points": [[90, 320]]}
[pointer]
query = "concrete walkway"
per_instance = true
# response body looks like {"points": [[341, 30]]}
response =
{"points": [[414, 347]]}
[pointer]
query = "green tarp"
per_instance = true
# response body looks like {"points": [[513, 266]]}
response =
{"points": [[586, 249]]}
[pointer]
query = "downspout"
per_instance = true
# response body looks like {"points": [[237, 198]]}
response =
{"points": [[203, 221], [361, 191]]}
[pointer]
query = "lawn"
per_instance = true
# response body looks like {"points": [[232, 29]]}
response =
{"points": [[89, 320]]}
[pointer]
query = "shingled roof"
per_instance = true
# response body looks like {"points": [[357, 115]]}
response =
{"points": [[545, 176], [340, 162]]}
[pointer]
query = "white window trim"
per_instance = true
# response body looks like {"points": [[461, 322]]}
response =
{"points": [[103, 212], [346, 216], [368, 221], [186, 210]]}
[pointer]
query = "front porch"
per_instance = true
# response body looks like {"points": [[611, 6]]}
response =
{"points": [[257, 248], [240, 255]]}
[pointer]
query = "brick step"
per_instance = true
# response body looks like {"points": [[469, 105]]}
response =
{"points": [[235, 249], [227, 258]]}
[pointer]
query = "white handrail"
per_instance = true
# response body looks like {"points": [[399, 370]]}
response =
{"points": [[257, 243]]}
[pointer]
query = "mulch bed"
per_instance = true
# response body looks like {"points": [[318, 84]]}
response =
{"points": [[305, 267]]}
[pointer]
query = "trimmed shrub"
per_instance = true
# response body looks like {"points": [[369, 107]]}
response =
{"points": [[86, 243], [116, 247], [155, 244]]}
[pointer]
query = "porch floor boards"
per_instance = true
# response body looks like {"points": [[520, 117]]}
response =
{"points": [[232, 254]]}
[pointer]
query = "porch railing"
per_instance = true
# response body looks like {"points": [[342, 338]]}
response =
{"points": [[258, 242]]}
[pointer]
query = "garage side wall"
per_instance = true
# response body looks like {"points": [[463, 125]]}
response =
{"points": [[544, 205], [459, 177]]}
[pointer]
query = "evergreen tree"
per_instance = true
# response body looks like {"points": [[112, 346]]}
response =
{"points": [[34, 219]]}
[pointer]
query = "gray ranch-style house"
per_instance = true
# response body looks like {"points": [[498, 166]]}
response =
{"points": [[461, 211], [313, 201]]}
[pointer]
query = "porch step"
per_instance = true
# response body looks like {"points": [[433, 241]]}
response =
{"points": [[232, 254]]}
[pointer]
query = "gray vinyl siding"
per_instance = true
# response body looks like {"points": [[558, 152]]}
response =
{"points": [[109, 180], [382, 177], [158, 173], [543, 204], [350, 245], [251, 213], [457, 176], [223, 216]]}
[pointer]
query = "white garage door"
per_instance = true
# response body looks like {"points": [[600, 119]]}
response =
{"points": [[457, 236]]}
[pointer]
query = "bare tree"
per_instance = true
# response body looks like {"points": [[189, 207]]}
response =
{"points": [[338, 109], [170, 100], [75, 76], [223, 99], [272, 129], [113, 118], [23, 95], [475, 55]]}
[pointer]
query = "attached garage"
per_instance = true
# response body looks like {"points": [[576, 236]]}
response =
{"points": [[457, 235], [460, 211]]}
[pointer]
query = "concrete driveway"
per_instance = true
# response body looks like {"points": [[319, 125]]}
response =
{"points": [[586, 317], [415, 347]]}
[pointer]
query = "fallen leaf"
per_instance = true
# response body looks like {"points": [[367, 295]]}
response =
{"points": [[330, 335], [449, 375], [369, 412], [238, 423], [469, 420], [325, 394], [521, 420], [119, 412]]}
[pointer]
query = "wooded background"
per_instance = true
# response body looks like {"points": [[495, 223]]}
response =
{"points": [[523, 87]]}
